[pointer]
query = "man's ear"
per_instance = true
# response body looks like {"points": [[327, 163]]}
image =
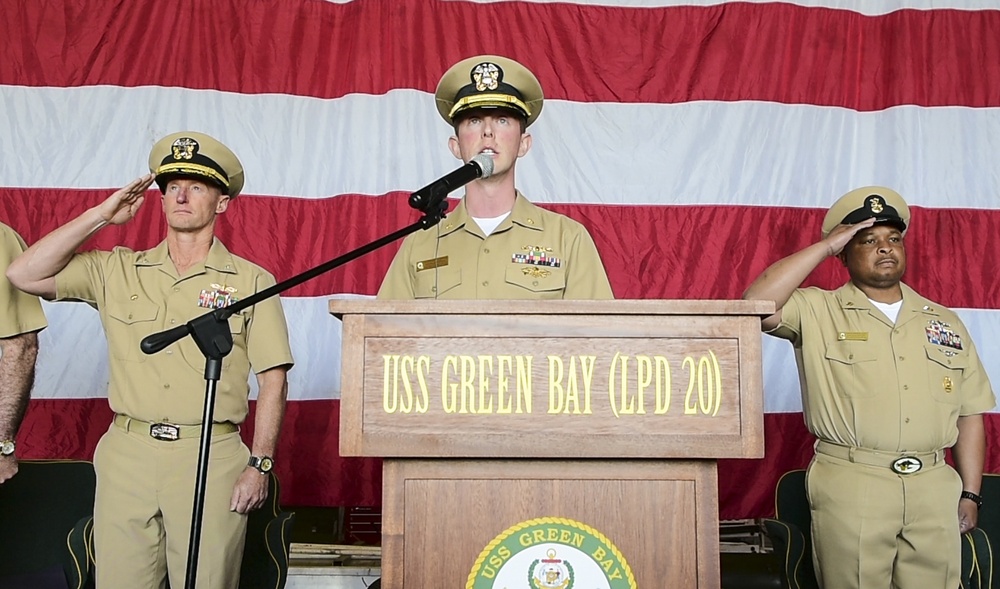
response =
{"points": [[453, 147], [525, 144], [223, 204]]}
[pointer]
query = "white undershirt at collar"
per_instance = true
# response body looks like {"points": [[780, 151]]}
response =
{"points": [[891, 310]]}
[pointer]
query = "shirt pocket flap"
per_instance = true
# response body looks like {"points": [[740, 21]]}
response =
{"points": [[955, 361], [436, 282], [536, 278], [236, 321], [850, 352], [133, 312]]}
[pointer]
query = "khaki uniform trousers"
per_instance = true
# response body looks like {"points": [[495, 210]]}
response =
{"points": [[142, 513], [873, 528]]}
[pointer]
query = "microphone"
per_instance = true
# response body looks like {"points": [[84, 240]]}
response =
{"points": [[480, 166]]}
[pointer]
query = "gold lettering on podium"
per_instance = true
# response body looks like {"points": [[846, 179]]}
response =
{"points": [[561, 397], [467, 384], [401, 369]]}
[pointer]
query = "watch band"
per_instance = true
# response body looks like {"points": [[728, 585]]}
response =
{"points": [[973, 497], [264, 464]]}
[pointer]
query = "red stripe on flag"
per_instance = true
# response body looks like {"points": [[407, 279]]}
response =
{"points": [[650, 252], [739, 51]]}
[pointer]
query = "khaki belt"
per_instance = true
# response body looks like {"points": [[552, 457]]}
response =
{"points": [[897, 462], [169, 432]]}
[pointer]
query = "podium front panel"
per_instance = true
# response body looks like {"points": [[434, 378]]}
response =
{"points": [[659, 516], [552, 386]]}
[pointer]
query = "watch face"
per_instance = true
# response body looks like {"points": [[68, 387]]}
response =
{"points": [[6, 447], [266, 464]]}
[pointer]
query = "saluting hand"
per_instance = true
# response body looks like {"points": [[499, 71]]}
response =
{"points": [[842, 234], [122, 206], [249, 492]]}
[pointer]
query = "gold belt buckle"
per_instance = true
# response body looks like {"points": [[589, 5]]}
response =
{"points": [[906, 465], [166, 432]]}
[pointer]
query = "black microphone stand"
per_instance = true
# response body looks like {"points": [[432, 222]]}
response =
{"points": [[211, 333]]}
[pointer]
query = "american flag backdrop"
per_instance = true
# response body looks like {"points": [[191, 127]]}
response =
{"points": [[698, 141]]}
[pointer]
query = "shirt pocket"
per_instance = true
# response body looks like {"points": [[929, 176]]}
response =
{"points": [[855, 368], [541, 281], [945, 373], [430, 284], [129, 322]]}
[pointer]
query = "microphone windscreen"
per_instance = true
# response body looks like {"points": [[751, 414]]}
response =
{"points": [[485, 164]]}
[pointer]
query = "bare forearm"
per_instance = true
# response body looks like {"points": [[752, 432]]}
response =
{"points": [[17, 374], [970, 452], [34, 271], [271, 397]]}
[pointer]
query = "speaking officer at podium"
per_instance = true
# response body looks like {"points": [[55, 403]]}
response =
{"points": [[146, 462], [890, 379], [495, 244]]}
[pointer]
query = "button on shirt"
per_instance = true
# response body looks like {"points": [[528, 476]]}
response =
{"points": [[139, 293], [876, 385], [532, 254]]}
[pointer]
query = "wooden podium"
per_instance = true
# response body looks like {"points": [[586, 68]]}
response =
{"points": [[551, 442]]}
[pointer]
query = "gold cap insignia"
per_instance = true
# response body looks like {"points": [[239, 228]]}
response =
{"points": [[487, 76], [184, 148], [875, 204]]}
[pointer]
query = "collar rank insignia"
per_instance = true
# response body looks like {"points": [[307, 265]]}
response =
{"points": [[536, 256], [184, 148], [940, 333], [220, 296]]}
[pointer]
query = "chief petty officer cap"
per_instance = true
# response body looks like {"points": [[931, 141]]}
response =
{"points": [[489, 81], [190, 154], [878, 202]]}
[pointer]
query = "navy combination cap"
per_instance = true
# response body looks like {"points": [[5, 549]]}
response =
{"points": [[883, 204], [189, 154], [489, 81]]}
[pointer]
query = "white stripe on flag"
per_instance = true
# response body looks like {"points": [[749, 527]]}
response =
{"points": [[731, 153]]}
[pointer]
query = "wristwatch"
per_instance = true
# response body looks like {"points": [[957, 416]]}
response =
{"points": [[262, 463], [7, 447], [973, 497]]}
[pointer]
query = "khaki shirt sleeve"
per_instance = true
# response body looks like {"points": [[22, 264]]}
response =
{"points": [[83, 278], [978, 396], [19, 312], [587, 279], [790, 327], [398, 281], [267, 332]]}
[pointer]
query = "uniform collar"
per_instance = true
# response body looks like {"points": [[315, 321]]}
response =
{"points": [[525, 213], [219, 258], [852, 297]]}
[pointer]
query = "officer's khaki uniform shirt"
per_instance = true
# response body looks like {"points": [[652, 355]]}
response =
{"points": [[139, 293], [532, 254], [19, 312], [871, 384]]}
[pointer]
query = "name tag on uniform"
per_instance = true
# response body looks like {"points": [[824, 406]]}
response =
{"points": [[852, 336], [433, 263]]}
